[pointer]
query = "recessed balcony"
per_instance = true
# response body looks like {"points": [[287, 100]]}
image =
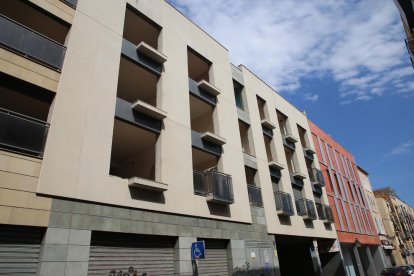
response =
{"points": [[209, 88], [306, 209], [213, 138], [268, 124], [284, 206], [291, 138], [151, 52], [276, 165], [309, 150], [137, 182], [149, 110], [299, 175]]}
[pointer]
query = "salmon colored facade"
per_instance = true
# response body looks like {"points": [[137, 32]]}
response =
{"points": [[353, 220]]}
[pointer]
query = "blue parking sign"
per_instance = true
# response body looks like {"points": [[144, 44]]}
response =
{"points": [[198, 250]]}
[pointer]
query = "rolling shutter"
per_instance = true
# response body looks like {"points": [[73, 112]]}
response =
{"points": [[215, 263], [153, 255], [19, 249]]}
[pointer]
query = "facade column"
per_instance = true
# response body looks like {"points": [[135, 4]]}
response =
{"points": [[358, 261], [317, 266], [64, 252], [236, 254], [182, 256], [372, 271]]}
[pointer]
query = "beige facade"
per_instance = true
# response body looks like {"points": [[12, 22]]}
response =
{"points": [[135, 103], [398, 222]]}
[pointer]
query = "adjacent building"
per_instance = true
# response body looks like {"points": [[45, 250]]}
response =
{"points": [[357, 235], [399, 224], [406, 9], [387, 247], [127, 135]]}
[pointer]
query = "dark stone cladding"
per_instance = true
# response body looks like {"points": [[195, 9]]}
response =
{"points": [[91, 216]]}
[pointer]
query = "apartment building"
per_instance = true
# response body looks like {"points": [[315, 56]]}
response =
{"points": [[127, 135], [398, 220], [406, 9], [387, 247], [357, 236]]}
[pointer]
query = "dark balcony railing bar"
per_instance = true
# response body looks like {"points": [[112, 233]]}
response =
{"points": [[22, 133], [316, 177], [255, 195], [409, 42], [23, 40], [306, 208], [215, 185], [284, 204], [198, 182], [328, 214], [71, 3]]}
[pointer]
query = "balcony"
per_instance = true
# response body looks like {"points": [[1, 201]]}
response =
{"points": [[255, 195], [284, 206], [216, 186], [22, 133], [409, 42], [30, 43], [316, 177], [306, 209], [324, 212]]}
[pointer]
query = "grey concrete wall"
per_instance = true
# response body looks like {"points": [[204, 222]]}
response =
{"points": [[64, 252]]}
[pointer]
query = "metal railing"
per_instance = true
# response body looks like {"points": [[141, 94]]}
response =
{"points": [[23, 40], [284, 204], [316, 177], [328, 214], [320, 209], [215, 185], [255, 195], [409, 42], [198, 182], [22, 133], [219, 186], [306, 208]]}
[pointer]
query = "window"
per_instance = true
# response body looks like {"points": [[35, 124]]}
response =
{"points": [[238, 94]]}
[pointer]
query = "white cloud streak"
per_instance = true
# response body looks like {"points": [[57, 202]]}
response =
{"points": [[357, 43], [401, 149]]}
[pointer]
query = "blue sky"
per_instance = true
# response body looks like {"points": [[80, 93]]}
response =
{"points": [[344, 62]]}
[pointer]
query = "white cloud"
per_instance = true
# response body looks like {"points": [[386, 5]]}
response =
{"points": [[401, 149], [311, 98], [358, 43]]}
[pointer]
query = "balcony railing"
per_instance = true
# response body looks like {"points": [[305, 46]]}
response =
{"points": [[329, 214], [306, 208], [324, 212], [316, 177], [284, 204], [409, 42], [320, 210], [255, 195], [22, 133], [216, 186], [27, 42]]}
